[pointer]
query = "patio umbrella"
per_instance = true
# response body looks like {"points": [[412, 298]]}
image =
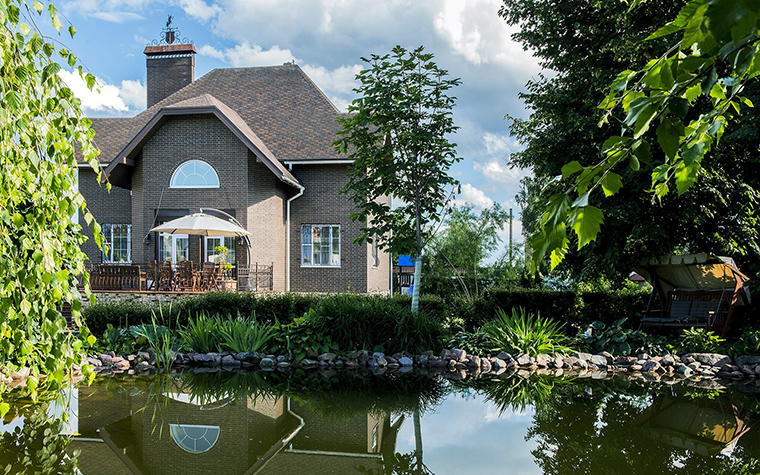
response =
{"points": [[201, 224]]}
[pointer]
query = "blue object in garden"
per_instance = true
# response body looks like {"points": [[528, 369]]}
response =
{"points": [[405, 260]]}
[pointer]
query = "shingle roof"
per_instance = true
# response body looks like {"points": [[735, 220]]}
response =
{"points": [[205, 104], [285, 109]]}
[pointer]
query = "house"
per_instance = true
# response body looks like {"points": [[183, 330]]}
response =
{"points": [[255, 143]]}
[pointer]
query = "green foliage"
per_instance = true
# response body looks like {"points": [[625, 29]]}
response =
{"points": [[358, 322], [202, 333], [474, 343], [699, 340], [122, 341], [298, 338], [618, 340], [666, 115], [522, 332], [41, 125], [397, 133], [242, 334], [748, 344]]}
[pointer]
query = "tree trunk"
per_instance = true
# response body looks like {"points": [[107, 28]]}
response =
{"points": [[416, 283], [418, 439]]}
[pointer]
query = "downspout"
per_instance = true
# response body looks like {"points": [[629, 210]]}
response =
{"points": [[301, 189]]}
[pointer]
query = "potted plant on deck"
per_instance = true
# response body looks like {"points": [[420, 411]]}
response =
{"points": [[228, 283]]}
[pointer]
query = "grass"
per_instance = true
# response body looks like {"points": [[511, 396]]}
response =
{"points": [[244, 334], [522, 332], [202, 333]]}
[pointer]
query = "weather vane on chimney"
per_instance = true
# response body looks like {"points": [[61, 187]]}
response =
{"points": [[170, 36]]}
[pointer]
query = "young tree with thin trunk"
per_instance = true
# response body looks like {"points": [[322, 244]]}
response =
{"points": [[397, 135]]}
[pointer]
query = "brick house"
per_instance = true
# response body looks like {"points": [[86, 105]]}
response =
{"points": [[253, 142]]}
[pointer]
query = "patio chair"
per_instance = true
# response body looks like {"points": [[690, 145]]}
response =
{"points": [[208, 274], [166, 277], [218, 275], [153, 274], [186, 279]]}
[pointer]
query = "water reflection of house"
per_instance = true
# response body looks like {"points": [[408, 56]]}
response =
{"points": [[176, 433], [704, 426]]}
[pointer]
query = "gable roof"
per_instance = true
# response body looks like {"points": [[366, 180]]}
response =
{"points": [[204, 104], [287, 111]]}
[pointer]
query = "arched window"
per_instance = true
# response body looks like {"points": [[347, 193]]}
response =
{"points": [[193, 438], [194, 174]]}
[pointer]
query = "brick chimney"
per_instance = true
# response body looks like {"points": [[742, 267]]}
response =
{"points": [[170, 64]]}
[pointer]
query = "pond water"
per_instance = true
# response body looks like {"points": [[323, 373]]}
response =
{"points": [[336, 423]]}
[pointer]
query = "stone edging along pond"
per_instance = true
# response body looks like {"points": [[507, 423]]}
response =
{"points": [[703, 369]]}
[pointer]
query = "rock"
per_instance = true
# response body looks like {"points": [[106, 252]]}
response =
{"points": [[242, 356], [352, 365], [485, 365], [445, 353], [498, 363], [542, 361], [309, 363], [651, 366], [424, 359], [131, 358], [405, 361], [283, 364], [608, 356], [599, 375], [95, 362], [23, 373], [582, 356], [267, 364], [392, 366], [710, 359], [636, 367], [230, 362], [598, 360], [209, 360], [524, 360], [729, 368], [378, 354], [694, 366], [111, 354], [391, 360], [723, 375], [757, 370], [327, 357], [312, 355], [747, 360], [460, 355], [377, 362], [473, 362], [668, 360], [504, 356], [748, 370], [427, 353], [625, 360], [558, 362], [570, 361], [106, 359], [737, 375], [120, 364], [143, 365], [339, 363], [438, 363]]}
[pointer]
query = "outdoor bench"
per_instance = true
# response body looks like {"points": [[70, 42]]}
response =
{"points": [[692, 308]]}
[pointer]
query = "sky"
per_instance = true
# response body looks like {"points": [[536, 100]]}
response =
{"points": [[327, 39]]}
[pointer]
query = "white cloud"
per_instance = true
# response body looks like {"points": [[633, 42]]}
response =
{"points": [[500, 144], [474, 30], [498, 170], [134, 93], [106, 98], [337, 83], [199, 9], [117, 17], [247, 54], [473, 196]]}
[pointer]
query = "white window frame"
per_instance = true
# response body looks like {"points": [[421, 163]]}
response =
{"points": [[107, 254], [175, 175], [174, 247], [322, 266], [231, 253]]}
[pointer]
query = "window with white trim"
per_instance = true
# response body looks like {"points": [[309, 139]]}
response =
{"points": [[117, 246], [320, 245], [194, 174]]}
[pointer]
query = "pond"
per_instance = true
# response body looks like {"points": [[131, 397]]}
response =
{"points": [[342, 422]]}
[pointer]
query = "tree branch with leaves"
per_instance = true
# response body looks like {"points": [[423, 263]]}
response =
{"points": [[397, 136]]}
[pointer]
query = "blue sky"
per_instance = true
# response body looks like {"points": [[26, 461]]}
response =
{"points": [[326, 38]]}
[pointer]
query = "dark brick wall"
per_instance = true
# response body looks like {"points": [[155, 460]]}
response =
{"points": [[201, 137], [113, 208], [167, 75], [322, 203]]}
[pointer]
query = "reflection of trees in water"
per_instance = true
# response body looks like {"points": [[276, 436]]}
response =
{"points": [[597, 432], [35, 447]]}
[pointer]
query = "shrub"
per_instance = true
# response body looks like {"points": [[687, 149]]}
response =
{"points": [[748, 344], [359, 322], [618, 340], [202, 334], [243, 334], [699, 340], [474, 343], [521, 332], [297, 338], [120, 315]]}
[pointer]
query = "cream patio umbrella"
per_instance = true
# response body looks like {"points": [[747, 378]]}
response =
{"points": [[203, 224]]}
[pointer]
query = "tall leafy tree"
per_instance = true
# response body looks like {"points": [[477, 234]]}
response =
{"points": [[40, 124], [397, 134], [588, 44]]}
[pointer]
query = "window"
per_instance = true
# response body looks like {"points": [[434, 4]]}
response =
{"points": [[212, 242], [320, 245], [173, 247], [375, 256], [194, 174], [118, 242], [194, 439]]}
